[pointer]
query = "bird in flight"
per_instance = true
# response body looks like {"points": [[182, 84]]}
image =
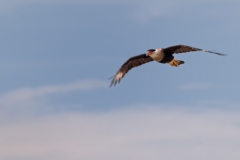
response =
{"points": [[161, 55]]}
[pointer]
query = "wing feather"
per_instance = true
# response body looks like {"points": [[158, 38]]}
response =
{"points": [[128, 65], [183, 49]]}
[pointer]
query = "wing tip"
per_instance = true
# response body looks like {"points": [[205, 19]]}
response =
{"points": [[220, 54], [116, 79]]}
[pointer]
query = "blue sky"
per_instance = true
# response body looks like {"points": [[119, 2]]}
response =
{"points": [[57, 56]]}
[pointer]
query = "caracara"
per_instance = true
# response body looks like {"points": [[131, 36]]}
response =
{"points": [[161, 55]]}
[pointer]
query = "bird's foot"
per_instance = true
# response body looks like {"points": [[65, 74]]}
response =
{"points": [[176, 63]]}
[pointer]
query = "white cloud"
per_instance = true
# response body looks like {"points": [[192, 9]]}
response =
{"points": [[24, 97], [197, 86], [132, 134]]}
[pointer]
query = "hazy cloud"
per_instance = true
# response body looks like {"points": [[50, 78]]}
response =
{"points": [[25, 97], [134, 134]]}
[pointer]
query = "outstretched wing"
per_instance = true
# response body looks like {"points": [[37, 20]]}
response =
{"points": [[183, 48], [129, 64]]}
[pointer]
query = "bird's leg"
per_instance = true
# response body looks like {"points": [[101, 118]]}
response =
{"points": [[176, 63]]}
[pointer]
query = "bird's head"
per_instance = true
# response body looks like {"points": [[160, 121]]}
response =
{"points": [[150, 52]]}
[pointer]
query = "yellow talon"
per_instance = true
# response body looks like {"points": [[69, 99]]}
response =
{"points": [[176, 63]]}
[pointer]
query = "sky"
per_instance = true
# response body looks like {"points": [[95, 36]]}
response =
{"points": [[57, 56]]}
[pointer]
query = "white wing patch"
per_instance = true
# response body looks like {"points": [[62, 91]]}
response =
{"points": [[116, 79], [119, 75]]}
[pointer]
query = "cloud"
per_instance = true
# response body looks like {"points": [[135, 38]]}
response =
{"points": [[134, 134], [25, 97], [197, 86]]}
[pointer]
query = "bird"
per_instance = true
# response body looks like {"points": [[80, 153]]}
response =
{"points": [[161, 55]]}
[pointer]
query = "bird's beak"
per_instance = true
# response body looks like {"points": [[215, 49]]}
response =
{"points": [[147, 54]]}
